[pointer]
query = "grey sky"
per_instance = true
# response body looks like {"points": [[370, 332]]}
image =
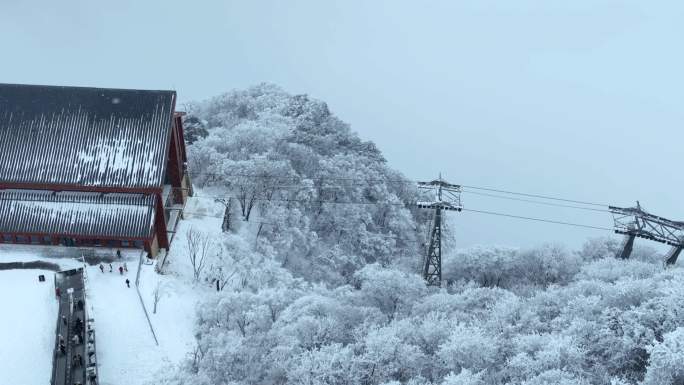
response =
{"points": [[580, 99]]}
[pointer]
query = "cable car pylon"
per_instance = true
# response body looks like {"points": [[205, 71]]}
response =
{"points": [[447, 197], [635, 222]]}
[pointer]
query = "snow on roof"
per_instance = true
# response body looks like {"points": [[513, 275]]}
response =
{"points": [[81, 213], [84, 136]]}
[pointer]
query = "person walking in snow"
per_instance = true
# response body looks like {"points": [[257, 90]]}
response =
{"points": [[128, 283], [118, 253], [121, 270], [111, 268], [125, 267], [62, 348], [64, 319], [78, 327], [101, 267]]}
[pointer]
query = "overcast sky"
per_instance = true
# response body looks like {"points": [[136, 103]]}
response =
{"points": [[579, 99]]}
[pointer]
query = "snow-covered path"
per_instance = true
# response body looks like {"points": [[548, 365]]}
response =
{"points": [[126, 350], [27, 327], [127, 354], [125, 347]]}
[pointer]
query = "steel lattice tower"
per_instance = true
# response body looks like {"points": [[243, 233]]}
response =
{"points": [[635, 222], [432, 268], [447, 197]]}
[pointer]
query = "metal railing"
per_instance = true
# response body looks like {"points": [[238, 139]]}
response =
{"points": [[142, 303], [88, 328], [56, 347]]}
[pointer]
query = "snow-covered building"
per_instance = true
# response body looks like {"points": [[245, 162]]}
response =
{"points": [[90, 167]]}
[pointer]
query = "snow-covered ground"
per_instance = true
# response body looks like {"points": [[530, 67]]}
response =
{"points": [[27, 326], [174, 321], [126, 348], [59, 255], [127, 352]]}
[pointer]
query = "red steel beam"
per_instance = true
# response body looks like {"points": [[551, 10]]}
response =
{"points": [[76, 187]]}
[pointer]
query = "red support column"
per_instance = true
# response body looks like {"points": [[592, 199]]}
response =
{"points": [[175, 162], [160, 222]]}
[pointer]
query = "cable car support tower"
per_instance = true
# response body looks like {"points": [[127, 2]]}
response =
{"points": [[447, 197], [635, 222]]}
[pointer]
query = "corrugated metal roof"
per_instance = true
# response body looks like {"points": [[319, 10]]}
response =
{"points": [[84, 136], [82, 213]]}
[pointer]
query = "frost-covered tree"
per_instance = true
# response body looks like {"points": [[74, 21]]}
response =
{"points": [[389, 290], [194, 129], [199, 246], [276, 153], [320, 283], [665, 363], [468, 347], [464, 377]]}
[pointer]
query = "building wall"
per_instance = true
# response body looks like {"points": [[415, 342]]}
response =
{"points": [[71, 240], [153, 247]]}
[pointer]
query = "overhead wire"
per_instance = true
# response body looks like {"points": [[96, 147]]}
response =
{"points": [[258, 221], [538, 219], [402, 181], [467, 189], [404, 204], [197, 214], [291, 177], [311, 201], [536, 196], [536, 202]]}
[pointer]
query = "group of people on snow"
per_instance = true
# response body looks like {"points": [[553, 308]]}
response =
{"points": [[123, 268]]}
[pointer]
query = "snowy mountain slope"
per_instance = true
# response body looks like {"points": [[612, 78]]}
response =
{"points": [[318, 282]]}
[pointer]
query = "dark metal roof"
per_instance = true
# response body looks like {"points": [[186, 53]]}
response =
{"points": [[82, 213], [84, 136]]}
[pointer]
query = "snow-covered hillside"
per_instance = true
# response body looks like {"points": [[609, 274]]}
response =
{"points": [[318, 279]]}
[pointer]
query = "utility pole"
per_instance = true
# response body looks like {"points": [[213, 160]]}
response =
{"points": [[447, 197]]}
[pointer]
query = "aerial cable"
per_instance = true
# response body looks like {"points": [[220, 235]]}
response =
{"points": [[536, 202], [299, 177], [390, 181], [536, 196], [313, 201], [539, 219]]}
